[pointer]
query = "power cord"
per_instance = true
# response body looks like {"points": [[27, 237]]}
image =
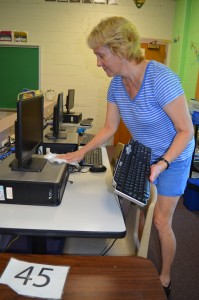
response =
{"points": [[10, 243], [105, 251], [6, 151]]}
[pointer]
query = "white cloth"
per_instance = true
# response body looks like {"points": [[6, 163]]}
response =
{"points": [[52, 158]]}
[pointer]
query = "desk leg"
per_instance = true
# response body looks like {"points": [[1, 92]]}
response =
{"points": [[39, 244]]}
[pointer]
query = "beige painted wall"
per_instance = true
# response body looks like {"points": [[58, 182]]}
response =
{"points": [[60, 29]]}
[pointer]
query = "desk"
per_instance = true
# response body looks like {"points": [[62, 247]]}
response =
{"points": [[77, 125], [97, 277], [89, 208]]}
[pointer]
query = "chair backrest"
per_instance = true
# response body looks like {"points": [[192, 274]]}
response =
{"points": [[135, 243], [116, 154], [132, 215], [149, 210]]}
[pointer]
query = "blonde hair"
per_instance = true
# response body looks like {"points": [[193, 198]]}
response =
{"points": [[119, 35]]}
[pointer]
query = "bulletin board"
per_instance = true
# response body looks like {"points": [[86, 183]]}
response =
{"points": [[19, 69]]}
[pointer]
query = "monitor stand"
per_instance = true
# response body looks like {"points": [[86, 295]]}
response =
{"points": [[35, 164], [61, 136], [63, 128]]}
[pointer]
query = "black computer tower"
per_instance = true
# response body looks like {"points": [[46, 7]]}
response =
{"points": [[45, 188], [72, 117]]}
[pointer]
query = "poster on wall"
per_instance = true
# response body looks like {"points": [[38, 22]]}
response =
{"points": [[20, 36], [6, 36]]}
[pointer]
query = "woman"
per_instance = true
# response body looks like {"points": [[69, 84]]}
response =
{"points": [[149, 98]]}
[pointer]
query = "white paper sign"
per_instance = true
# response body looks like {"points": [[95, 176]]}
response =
{"points": [[35, 280]]}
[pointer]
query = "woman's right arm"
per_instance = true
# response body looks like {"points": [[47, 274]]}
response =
{"points": [[109, 129]]}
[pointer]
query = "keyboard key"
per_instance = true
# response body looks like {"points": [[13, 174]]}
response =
{"points": [[93, 158], [86, 138]]}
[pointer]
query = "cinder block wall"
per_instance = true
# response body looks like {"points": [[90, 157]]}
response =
{"points": [[60, 29]]}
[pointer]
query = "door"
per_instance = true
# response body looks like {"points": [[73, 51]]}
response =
{"points": [[197, 89], [152, 51]]}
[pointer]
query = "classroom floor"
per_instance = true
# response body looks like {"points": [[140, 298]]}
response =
{"points": [[184, 274]]}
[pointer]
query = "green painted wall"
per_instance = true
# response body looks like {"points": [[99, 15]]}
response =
{"points": [[185, 44], [178, 35]]}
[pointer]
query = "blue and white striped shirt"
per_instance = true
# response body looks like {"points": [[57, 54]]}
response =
{"points": [[144, 115]]}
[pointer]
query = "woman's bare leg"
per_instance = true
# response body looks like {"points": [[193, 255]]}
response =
{"points": [[163, 215]]}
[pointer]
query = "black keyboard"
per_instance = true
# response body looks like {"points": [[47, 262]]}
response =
{"points": [[86, 138], [93, 158], [132, 171]]}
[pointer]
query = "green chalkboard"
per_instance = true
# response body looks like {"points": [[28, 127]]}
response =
{"points": [[19, 69]]}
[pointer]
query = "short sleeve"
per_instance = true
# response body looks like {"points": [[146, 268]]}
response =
{"points": [[167, 87], [110, 93]]}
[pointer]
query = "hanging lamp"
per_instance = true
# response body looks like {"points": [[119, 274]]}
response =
{"points": [[139, 3]]}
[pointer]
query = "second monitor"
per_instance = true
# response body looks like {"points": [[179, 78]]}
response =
{"points": [[69, 116], [56, 132]]}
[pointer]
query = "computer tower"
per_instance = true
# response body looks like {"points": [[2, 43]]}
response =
{"points": [[45, 188], [72, 117], [58, 148]]}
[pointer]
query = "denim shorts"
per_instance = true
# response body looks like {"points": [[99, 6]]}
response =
{"points": [[172, 182]]}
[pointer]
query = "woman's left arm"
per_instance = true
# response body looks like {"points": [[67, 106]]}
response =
{"points": [[178, 112]]}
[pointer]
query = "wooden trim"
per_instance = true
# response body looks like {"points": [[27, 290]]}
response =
{"points": [[197, 89]]}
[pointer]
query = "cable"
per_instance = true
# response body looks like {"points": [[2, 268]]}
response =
{"points": [[3, 149], [10, 243], [49, 117], [103, 253], [7, 152], [11, 140], [84, 170], [74, 169]]}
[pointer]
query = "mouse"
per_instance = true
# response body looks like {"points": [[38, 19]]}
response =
{"points": [[97, 168]]}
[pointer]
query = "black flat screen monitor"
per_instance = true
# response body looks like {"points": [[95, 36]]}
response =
{"points": [[56, 132], [28, 135], [70, 98]]}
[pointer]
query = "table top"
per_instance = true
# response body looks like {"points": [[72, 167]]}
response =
{"points": [[70, 136], [77, 125], [97, 278], [89, 208]]}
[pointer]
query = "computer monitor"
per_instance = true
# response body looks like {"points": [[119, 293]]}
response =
{"points": [[28, 135], [70, 100], [56, 132]]}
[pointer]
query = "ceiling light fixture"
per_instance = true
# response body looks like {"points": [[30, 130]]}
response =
{"points": [[139, 3]]}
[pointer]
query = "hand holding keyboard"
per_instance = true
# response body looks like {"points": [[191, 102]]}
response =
{"points": [[132, 172]]}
